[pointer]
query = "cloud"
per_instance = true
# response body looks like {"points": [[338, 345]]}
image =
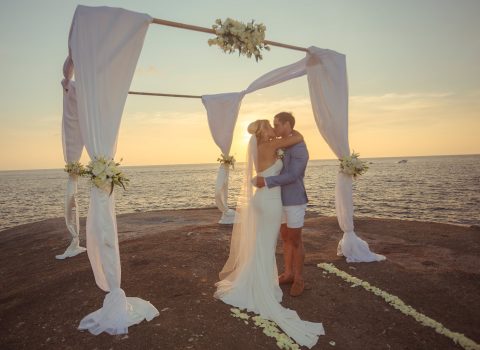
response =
{"points": [[147, 71], [164, 117], [410, 110], [33, 122], [400, 102]]}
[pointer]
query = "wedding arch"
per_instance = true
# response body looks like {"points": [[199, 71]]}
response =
{"points": [[104, 47]]}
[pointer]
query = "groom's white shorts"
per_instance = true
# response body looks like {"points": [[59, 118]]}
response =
{"points": [[294, 215]]}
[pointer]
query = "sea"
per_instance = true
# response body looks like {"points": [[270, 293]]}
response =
{"points": [[443, 189]]}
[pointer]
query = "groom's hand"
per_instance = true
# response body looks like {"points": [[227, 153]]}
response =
{"points": [[260, 182]]}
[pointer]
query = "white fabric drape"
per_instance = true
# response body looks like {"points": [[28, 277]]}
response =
{"points": [[221, 195], [327, 80], [72, 151], [278, 76], [222, 113], [105, 44]]}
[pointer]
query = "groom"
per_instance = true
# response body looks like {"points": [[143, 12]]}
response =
{"points": [[294, 200]]}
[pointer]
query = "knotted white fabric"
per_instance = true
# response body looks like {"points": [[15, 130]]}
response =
{"points": [[221, 195], [105, 44], [72, 151], [327, 80], [118, 312]]}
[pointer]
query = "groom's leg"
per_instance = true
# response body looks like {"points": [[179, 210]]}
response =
{"points": [[298, 252], [295, 222], [298, 286], [287, 275]]}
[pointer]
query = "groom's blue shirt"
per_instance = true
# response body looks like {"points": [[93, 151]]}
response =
{"points": [[291, 176]]}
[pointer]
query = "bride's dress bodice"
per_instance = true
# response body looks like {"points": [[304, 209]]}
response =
{"points": [[272, 170]]}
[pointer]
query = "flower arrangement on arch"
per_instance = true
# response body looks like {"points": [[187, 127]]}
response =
{"points": [[228, 161], [75, 168], [352, 165], [104, 174], [232, 35]]}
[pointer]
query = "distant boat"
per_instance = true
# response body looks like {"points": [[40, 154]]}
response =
{"points": [[402, 161]]}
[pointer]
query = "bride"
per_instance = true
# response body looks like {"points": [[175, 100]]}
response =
{"points": [[249, 279]]}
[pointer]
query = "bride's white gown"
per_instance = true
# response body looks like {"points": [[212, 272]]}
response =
{"points": [[254, 286]]}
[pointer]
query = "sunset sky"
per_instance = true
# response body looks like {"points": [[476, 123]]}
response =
{"points": [[413, 69]]}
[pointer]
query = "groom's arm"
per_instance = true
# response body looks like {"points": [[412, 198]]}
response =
{"points": [[298, 163]]}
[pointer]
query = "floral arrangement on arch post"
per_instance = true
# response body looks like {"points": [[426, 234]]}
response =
{"points": [[75, 168], [232, 35], [352, 165], [102, 171], [227, 161]]}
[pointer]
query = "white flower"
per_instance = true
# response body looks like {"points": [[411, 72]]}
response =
{"points": [[280, 153], [99, 183], [98, 167], [111, 169]]}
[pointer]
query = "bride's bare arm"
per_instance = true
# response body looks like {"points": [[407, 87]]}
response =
{"points": [[287, 141]]}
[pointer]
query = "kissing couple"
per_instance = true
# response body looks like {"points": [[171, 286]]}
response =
{"points": [[272, 200]]}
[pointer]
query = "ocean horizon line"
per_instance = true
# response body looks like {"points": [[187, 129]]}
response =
{"points": [[240, 162]]}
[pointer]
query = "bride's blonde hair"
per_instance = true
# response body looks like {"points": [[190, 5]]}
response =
{"points": [[255, 128]]}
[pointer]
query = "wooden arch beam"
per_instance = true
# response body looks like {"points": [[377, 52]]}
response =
{"points": [[203, 30]]}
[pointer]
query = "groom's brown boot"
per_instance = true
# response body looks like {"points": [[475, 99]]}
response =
{"points": [[297, 288]]}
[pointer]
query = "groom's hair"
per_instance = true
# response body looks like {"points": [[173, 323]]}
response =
{"points": [[284, 117]]}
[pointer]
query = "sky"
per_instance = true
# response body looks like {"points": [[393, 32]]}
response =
{"points": [[413, 70]]}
